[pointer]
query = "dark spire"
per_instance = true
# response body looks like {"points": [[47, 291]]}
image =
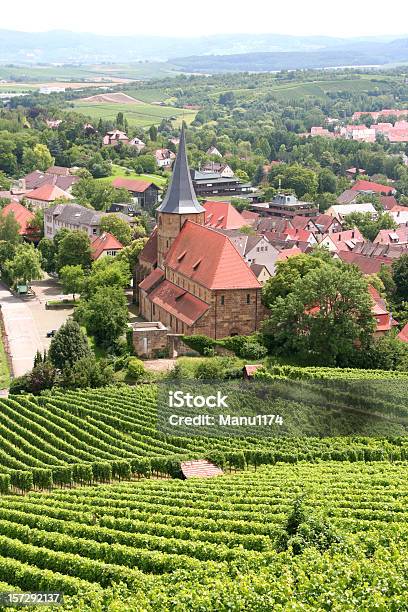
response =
{"points": [[180, 198]]}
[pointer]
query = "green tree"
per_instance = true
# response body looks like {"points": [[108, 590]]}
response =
{"points": [[153, 133], [325, 316], [38, 158], [48, 254], [302, 180], [25, 265], [327, 181], [99, 195], [400, 276], [72, 279], [68, 346], [107, 272], [9, 229], [104, 314], [117, 227], [368, 226], [74, 249], [87, 372]]}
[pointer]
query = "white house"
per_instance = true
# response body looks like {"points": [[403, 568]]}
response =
{"points": [[340, 211]]}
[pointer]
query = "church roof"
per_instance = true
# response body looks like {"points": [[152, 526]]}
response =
{"points": [[180, 198], [208, 257]]}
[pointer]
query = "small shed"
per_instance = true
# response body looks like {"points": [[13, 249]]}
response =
{"points": [[248, 371], [199, 468]]}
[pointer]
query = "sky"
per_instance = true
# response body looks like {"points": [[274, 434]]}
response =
{"points": [[343, 18]]}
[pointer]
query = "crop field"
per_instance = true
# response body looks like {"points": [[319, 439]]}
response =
{"points": [[212, 545], [137, 115]]}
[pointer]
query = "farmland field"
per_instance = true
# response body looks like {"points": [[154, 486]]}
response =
{"points": [[137, 115], [88, 508], [119, 171], [212, 545]]}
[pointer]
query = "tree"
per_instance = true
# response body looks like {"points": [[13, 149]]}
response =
{"points": [[48, 254], [68, 346], [9, 229], [327, 181], [104, 315], [400, 276], [153, 133], [99, 195], [38, 158], [74, 250], [87, 372], [72, 279], [300, 179], [107, 272], [368, 226], [325, 317], [25, 265], [118, 228]]}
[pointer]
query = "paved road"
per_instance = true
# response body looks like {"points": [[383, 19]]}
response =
{"points": [[22, 332], [26, 323]]}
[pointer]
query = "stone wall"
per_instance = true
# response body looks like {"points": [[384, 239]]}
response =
{"points": [[149, 339]]}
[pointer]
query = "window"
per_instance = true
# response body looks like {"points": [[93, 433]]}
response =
{"points": [[222, 300], [248, 298]]}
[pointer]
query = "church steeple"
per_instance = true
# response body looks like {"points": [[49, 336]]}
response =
{"points": [[179, 204], [180, 198]]}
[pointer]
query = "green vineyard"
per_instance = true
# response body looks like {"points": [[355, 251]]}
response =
{"points": [[211, 545], [89, 507]]}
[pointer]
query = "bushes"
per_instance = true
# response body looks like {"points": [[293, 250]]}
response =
{"points": [[121, 469], [101, 471], [135, 368], [82, 473], [22, 480], [42, 478], [141, 467], [199, 343], [4, 484], [62, 475]]}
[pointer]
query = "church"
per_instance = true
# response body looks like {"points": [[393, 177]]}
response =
{"points": [[194, 280]]}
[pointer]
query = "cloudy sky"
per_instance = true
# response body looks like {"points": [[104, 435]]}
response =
{"points": [[196, 18]]}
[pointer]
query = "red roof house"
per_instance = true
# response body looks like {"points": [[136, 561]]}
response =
{"points": [[133, 185], [403, 335], [222, 215], [46, 194], [22, 214], [370, 187], [105, 244]]}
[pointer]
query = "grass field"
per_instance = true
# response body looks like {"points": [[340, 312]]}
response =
{"points": [[137, 115], [119, 171], [4, 370]]}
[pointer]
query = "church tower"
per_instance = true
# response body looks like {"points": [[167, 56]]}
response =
{"points": [[179, 205]]}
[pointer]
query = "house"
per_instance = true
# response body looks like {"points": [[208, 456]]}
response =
{"points": [[348, 197], [326, 224], [212, 184], [214, 151], [46, 194], [387, 112], [321, 131], [123, 207], [144, 193], [352, 172], [22, 215], [399, 214], [358, 132], [299, 222], [223, 170], [343, 240], [255, 249], [250, 217], [388, 202], [164, 158], [397, 236], [287, 206], [370, 188], [114, 137], [137, 143], [201, 284], [105, 245], [403, 335], [76, 217], [56, 175], [222, 215], [382, 314], [341, 211], [261, 272], [290, 252], [367, 265], [53, 124]]}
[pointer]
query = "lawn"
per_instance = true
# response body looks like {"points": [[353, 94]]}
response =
{"points": [[4, 370], [157, 179], [137, 115]]}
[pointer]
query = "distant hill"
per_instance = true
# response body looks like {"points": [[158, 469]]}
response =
{"points": [[351, 53], [71, 47]]}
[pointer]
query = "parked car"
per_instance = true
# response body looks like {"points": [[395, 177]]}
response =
{"points": [[51, 333]]}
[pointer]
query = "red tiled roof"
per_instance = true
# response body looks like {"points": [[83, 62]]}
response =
{"points": [[370, 186], [178, 302], [286, 253], [222, 215], [149, 251], [200, 468], [248, 215], [48, 193], [104, 242], [131, 184], [325, 220], [388, 202], [403, 335], [152, 279], [367, 265], [209, 258], [23, 215]]}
